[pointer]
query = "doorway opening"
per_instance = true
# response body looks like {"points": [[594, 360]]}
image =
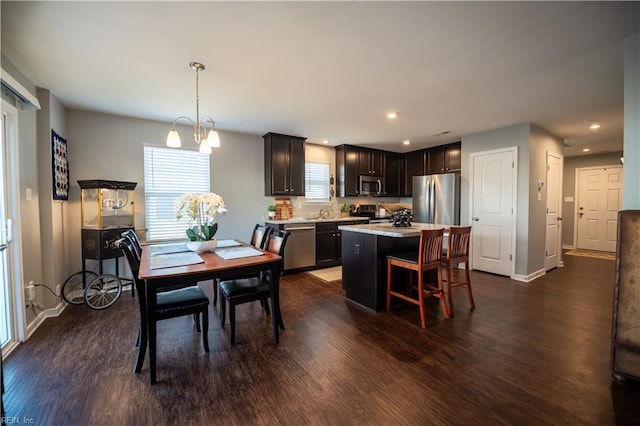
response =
{"points": [[599, 191]]}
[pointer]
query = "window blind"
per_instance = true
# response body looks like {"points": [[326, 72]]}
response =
{"points": [[316, 181], [169, 173]]}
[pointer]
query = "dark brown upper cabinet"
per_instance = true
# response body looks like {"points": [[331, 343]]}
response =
{"points": [[431, 161], [283, 165], [415, 163], [347, 170], [371, 162], [393, 175], [445, 159]]}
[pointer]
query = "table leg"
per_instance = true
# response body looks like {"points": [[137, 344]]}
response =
{"points": [[142, 333], [151, 327], [276, 316]]}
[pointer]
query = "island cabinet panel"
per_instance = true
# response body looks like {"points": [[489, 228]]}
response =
{"points": [[284, 165], [364, 266]]}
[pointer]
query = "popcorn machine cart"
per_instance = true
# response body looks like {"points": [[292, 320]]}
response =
{"points": [[107, 209]]}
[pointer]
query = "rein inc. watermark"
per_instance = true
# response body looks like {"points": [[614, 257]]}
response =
{"points": [[17, 420]]}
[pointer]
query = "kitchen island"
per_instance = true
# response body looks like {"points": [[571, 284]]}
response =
{"points": [[364, 259]]}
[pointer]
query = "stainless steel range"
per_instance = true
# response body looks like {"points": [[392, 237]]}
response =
{"points": [[364, 210], [369, 210]]}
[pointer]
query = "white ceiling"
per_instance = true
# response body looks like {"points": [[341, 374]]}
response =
{"points": [[332, 70]]}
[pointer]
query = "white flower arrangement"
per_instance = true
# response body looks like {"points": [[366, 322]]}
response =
{"points": [[202, 210]]}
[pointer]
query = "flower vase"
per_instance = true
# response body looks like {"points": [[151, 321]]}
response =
{"points": [[202, 246]]}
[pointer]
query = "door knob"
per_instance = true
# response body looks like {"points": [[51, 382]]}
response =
{"points": [[475, 219]]}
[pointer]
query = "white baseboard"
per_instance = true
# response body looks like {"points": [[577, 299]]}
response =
{"points": [[43, 315], [528, 278]]}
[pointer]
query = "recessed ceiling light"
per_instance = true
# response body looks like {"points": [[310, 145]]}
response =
{"points": [[392, 115], [593, 125], [406, 142], [585, 150], [324, 141]]}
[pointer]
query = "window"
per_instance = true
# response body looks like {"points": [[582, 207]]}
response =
{"points": [[168, 173], [316, 181]]}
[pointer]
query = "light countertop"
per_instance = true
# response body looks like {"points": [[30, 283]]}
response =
{"points": [[316, 220], [387, 229]]}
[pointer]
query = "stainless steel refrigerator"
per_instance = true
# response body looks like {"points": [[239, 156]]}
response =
{"points": [[436, 199]]}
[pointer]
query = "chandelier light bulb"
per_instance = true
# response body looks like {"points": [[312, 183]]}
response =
{"points": [[205, 148], [213, 140], [173, 139]]}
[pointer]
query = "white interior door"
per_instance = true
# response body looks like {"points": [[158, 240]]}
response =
{"points": [[599, 200], [553, 247], [6, 317], [492, 190]]}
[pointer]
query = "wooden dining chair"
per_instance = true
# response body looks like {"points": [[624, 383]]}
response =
{"points": [[426, 258], [130, 235], [190, 300], [457, 252], [243, 290], [258, 239]]}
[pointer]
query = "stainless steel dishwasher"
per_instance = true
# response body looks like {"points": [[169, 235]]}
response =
{"points": [[300, 251]]}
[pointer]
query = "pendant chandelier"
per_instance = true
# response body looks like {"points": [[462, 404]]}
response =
{"points": [[206, 137]]}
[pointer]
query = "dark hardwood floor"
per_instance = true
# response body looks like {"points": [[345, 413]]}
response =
{"points": [[534, 353]]}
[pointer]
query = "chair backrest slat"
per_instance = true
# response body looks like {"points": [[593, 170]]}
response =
{"points": [[260, 235], [458, 244], [430, 250]]}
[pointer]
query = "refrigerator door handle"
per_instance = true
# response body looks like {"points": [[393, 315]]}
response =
{"points": [[432, 201]]}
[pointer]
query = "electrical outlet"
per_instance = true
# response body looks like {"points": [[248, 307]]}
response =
{"points": [[30, 292]]}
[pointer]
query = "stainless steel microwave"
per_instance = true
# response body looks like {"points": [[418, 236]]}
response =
{"points": [[371, 185]]}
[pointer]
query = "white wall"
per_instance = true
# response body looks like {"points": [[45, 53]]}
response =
{"points": [[103, 146], [631, 176], [54, 268], [502, 138]]}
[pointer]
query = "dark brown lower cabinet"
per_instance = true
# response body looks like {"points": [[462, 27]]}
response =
{"points": [[625, 347], [326, 248], [329, 242]]}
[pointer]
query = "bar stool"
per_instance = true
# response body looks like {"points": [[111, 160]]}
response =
{"points": [[457, 252], [427, 258]]}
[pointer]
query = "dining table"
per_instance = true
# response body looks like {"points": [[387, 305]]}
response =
{"points": [[215, 264]]}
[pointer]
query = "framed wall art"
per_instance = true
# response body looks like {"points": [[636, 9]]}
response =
{"points": [[60, 167]]}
